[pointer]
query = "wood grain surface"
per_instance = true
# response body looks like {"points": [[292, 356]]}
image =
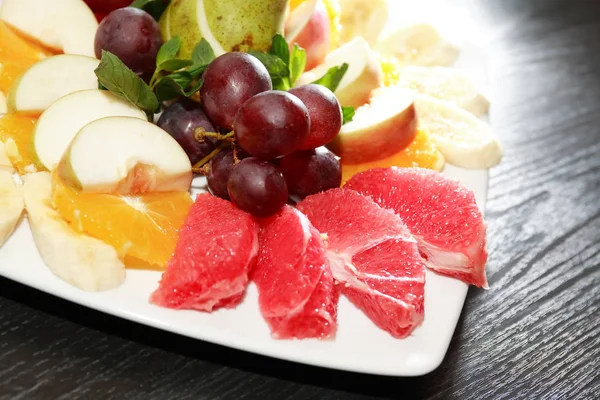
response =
{"points": [[534, 335]]}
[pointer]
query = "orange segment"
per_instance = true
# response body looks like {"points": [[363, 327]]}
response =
{"points": [[16, 131], [143, 229], [17, 54], [422, 152], [390, 67]]}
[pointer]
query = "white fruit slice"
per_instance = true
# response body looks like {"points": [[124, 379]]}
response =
{"points": [[127, 156], [59, 124], [11, 205], [462, 138], [446, 84], [65, 25], [3, 106], [50, 79], [5, 164], [419, 44], [365, 18], [80, 260], [379, 129], [363, 75]]}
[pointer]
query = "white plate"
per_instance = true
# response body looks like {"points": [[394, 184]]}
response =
{"points": [[359, 346]]}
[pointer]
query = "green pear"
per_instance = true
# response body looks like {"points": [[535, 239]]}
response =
{"points": [[227, 25]]}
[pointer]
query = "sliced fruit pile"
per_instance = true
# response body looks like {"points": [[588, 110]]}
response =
{"points": [[274, 103]]}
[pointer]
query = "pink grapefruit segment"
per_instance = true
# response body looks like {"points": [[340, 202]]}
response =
{"points": [[440, 213], [297, 296], [217, 246], [373, 256]]}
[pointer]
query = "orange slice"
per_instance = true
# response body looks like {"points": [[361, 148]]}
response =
{"points": [[17, 54], [422, 152], [143, 229], [390, 67], [16, 131]]}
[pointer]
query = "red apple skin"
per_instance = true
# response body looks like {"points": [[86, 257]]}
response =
{"points": [[106, 6], [315, 37], [376, 142]]}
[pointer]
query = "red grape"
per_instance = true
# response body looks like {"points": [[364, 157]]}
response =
{"points": [[311, 171], [220, 169], [324, 111], [106, 6], [271, 124], [257, 187], [180, 120], [133, 36], [230, 80]]}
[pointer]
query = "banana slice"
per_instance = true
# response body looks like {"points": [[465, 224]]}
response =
{"points": [[5, 164], [462, 138], [364, 18], [445, 84], [418, 44], [11, 205], [80, 260], [2, 101]]}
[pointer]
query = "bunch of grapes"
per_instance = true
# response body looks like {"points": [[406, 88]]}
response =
{"points": [[256, 145], [278, 136]]}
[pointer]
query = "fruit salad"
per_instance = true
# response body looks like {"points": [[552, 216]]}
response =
{"points": [[286, 144]]}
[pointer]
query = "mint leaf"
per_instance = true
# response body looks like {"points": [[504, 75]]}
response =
{"points": [[279, 48], [196, 70], [123, 82], [332, 77], [168, 51], [173, 86], [275, 65], [297, 63], [203, 53], [152, 7], [348, 114], [174, 65]]}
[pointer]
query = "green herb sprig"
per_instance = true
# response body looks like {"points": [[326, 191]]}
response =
{"points": [[175, 77]]}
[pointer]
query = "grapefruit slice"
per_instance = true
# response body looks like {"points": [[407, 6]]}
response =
{"points": [[296, 292], [217, 245], [440, 213], [373, 256]]}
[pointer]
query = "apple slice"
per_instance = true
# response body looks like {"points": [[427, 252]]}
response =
{"points": [[64, 25], [363, 75], [379, 129], [59, 124], [78, 259], [127, 156], [50, 79], [308, 26]]}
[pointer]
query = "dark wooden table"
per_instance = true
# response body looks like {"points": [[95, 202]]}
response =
{"points": [[534, 335]]}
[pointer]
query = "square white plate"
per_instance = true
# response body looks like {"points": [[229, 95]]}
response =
{"points": [[359, 346]]}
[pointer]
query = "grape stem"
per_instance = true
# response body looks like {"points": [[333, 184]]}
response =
{"points": [[200, 134], [198, 166]]}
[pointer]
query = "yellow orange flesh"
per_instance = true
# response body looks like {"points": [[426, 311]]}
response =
{"points": [[16, 131], [422, 152], [143, 229], [17, 54]]}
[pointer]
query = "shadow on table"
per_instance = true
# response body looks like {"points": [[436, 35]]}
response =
{"points": [[371, 385]]}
